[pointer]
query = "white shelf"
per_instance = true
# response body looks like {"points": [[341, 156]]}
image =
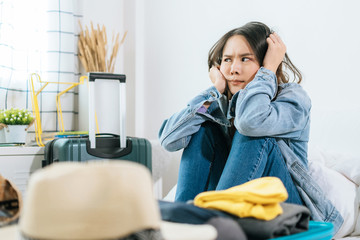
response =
{"points": [[19, 162], [21, 150]]}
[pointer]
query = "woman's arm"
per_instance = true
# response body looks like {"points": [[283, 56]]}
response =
{"points": [[175, 132], [259, 114]]}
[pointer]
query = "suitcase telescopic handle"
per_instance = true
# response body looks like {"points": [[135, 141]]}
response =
{"points": [[108, 76], [92, 76]]}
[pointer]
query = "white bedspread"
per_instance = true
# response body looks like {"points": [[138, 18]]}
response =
{"points": [[339, 177]]}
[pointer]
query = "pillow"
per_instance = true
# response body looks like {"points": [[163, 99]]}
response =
{"points": [[346, 164], [349, 167], [340, 191]]}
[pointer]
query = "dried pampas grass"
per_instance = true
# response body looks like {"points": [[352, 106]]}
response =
{"points": [[93, 49]]}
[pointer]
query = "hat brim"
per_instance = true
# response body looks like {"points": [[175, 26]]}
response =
{"points": [[169, 230]]}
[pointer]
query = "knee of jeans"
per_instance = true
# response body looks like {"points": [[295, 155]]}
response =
{"points": [[261, 140], [272, 144], [271, 140], [244, 137]]}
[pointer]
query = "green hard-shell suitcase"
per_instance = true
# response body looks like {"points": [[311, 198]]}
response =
{"points": [[100, 146], [107, 147]]}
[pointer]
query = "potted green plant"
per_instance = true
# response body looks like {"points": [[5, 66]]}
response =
{"points": [[14, 124]]}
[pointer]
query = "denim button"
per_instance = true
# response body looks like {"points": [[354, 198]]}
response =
{"points": [[213, 94], [232, 109]]}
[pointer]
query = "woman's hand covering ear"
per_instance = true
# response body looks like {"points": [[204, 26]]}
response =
{"points": [[275, 53], [217, 78]]}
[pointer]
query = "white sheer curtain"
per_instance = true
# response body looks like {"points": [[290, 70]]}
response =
{"points": [[40, 36]]}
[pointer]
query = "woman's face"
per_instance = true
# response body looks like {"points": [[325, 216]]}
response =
{"points": [[239, 64]]}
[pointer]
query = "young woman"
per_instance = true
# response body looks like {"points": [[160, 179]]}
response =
{"points": [[253, 122]]}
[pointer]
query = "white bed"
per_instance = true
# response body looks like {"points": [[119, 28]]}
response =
{"points": [[337, 173], [339, 176]]}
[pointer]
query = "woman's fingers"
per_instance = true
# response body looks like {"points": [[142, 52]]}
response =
{"points": [[277, 40], [275, 53], [272, 38], [217, 78], [270, 41]]}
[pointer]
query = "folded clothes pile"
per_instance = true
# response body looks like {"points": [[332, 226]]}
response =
{"points": [[259, 198]]}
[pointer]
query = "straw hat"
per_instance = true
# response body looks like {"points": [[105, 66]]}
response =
{"points": [[94, 200]]}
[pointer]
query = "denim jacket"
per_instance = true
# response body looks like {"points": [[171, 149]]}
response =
{"points": [[261, 109]]}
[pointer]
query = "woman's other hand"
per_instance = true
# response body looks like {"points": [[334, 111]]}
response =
{"points": [[275, 52], [217, 78]]}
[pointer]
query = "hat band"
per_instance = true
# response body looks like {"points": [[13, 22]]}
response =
{"points": [[148, 234], [9, 210]]}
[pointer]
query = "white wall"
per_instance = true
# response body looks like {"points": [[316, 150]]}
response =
{"points": [[323, 41], [166, 56]]}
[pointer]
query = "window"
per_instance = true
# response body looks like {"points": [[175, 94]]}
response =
{"points": [[39, 36]]}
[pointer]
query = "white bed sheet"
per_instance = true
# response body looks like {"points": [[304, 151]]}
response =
{"points": [[339, 176]]}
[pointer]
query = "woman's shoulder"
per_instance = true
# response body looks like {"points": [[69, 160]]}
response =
{"points": [[294, 92]]}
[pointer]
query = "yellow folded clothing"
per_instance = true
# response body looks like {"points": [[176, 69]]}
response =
{"points": [[259, 198]]}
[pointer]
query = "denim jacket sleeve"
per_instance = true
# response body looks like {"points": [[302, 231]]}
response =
{"points": [[259, 113], [175, 132]]}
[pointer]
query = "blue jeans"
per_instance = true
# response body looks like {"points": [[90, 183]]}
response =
{"points": [[212, 162]]}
